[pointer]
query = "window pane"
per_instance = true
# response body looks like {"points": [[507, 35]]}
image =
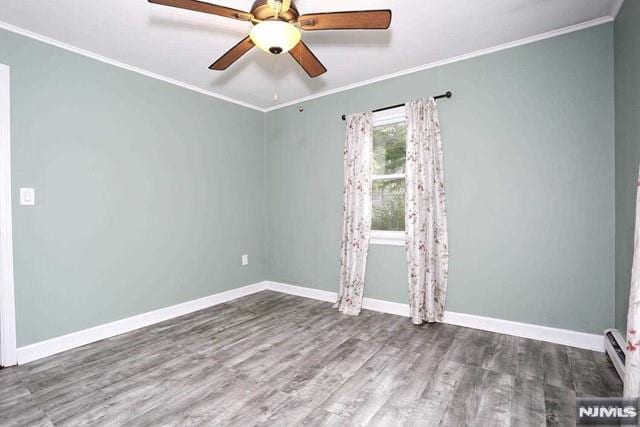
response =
{"points": [[389, 147], [388, 204]]}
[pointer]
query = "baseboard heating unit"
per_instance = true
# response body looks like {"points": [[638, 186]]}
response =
{"points": [[614, 347]]}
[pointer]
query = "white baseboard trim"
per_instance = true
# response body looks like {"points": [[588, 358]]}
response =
{"points": [[56, 345], [301, 291], [525, 330], [367, 303]]}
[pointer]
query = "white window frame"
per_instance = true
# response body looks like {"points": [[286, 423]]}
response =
{"points": [[382, 118]]}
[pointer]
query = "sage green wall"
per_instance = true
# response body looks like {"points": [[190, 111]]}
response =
{"points": [[627, 146], [529, 164], [147, 194]]}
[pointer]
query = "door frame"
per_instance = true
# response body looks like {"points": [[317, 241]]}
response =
{"points": [[7, 296]]}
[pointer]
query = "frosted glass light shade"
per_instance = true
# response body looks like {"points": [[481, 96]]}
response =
{"points": [[275, 36]]}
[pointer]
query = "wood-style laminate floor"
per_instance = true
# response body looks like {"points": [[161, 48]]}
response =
{"points": [[276, 359]]}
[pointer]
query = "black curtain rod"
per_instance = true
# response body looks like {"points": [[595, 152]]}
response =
{"points": [[448, 94]]}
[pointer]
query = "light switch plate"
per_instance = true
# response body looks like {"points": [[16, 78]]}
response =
{"points": [[27, 197], [245, 259]]}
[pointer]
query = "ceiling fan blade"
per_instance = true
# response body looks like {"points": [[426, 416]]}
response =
{"points": [[355, 20], [200, 6], [233, 54], [307, 60]]}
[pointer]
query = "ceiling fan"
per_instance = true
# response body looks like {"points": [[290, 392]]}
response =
{"points": [[277, 26]]}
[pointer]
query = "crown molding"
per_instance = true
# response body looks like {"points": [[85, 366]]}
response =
{"points": [[147, 73], [616, 8], [475, 54]]}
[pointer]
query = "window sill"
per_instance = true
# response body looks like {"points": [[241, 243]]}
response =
{"points": [[392, 238]]}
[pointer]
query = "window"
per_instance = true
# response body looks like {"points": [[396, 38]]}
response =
{"points": [[388, 178]]}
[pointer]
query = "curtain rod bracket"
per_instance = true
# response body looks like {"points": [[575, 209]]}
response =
{"points": [[447, 95]]}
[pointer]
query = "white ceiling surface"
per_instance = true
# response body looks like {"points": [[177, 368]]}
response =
{"points": [[181, 44]]}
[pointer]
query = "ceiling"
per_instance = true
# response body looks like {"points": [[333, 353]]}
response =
{"points": [[180, 45]]}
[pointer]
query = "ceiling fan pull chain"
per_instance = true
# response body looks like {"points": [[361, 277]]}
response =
{"points": [[275, 78]]}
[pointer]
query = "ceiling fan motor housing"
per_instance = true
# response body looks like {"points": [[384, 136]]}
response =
{"points": [[261, 10]]}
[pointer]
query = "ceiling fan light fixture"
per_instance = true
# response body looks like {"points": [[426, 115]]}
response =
{"points": [[275, 36]]}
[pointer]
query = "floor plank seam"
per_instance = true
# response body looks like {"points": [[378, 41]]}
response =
{"points": [[271, 358]]}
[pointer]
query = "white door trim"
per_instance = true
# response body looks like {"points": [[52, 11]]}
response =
{"points": [[7, 297]]}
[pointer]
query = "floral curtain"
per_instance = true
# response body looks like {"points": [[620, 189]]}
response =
{"points": [[632, 361], [425, 213], [356, 227]]}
